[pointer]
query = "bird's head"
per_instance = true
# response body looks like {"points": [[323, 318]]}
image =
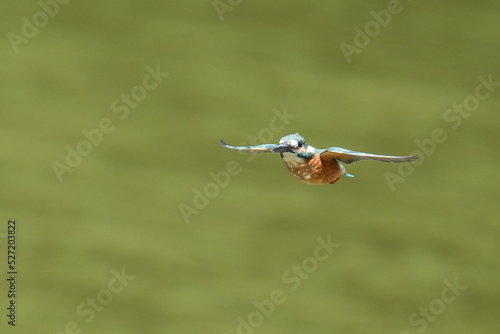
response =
{"points": [[296, 145]]}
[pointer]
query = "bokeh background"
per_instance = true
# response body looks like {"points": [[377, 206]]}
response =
{"points": [[120, 208]]}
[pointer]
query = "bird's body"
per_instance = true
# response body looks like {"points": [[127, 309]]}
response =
{"points": [[316, 166], [315, 170]]}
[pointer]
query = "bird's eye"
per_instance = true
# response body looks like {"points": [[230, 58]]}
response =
{"points": [[300, 144]]}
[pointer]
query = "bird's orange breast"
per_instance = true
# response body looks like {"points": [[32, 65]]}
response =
{"points": [[316, 170]]}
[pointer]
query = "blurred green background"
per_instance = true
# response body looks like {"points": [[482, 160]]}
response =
{"points": [[121, 207]]}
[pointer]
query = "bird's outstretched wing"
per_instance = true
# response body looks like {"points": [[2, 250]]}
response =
{"points": [[348, 156], [254, 149]]}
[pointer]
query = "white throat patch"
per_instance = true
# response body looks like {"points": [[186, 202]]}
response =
{"points": [[292, 159]]}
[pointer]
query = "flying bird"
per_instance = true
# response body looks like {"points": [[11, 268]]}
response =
{"points": [[316, 166]]}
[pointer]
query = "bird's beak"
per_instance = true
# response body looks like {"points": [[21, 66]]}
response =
{"points": [[283, 148]]}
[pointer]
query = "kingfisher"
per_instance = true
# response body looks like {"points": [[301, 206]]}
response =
{"points": [[316, 166]]}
